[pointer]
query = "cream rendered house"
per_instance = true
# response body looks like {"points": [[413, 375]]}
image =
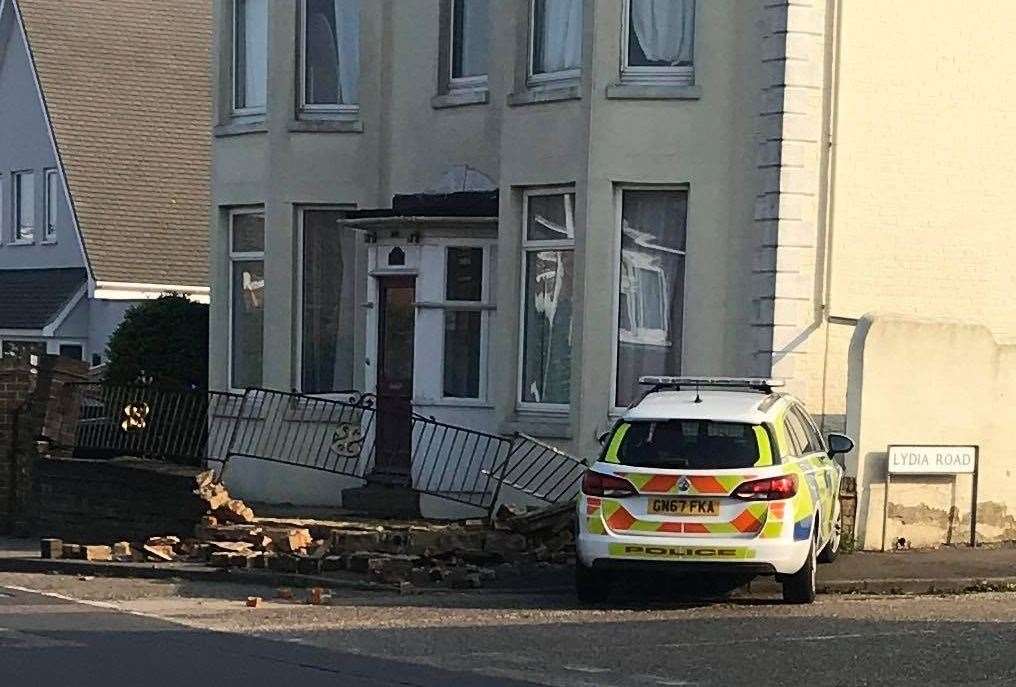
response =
{"points": [[505, 212]]}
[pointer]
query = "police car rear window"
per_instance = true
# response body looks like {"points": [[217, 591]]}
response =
{"points": [[687, 444]]}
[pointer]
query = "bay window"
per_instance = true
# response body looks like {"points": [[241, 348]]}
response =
{"points": [[548, 274], [659, 41], [463, 322], [250, 56], [556, 43], [650, 287], [331, 55], [469, 43], [328, 301], [247, 301]]}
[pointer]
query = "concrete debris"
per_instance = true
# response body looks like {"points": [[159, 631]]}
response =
{"points": [[96, 553], [253, 601], [158, 552]]}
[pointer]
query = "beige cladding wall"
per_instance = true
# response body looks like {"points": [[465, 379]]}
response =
{"points": [[924, 153], [908, 386]]}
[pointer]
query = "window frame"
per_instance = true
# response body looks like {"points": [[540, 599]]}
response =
{"points": [[17, 238], [683, 75], [235, 257], [619, 189], [297, 381], [3, 210], [461, 84], [50, 196], [246, 111], [531, 246], [548, 78], [810, 429], [481, 306], [337, 109]]}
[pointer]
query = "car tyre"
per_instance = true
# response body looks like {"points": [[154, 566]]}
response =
{"points": [[799, 588], [591, 586]]}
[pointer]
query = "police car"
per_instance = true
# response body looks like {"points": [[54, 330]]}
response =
{"points": [[713, 475]]}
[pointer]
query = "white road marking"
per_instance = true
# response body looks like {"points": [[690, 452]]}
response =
{"points": [[805, 638], [586, 669]]}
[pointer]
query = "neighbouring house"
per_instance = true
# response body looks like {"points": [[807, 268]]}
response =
{"points": [[104, 165], [503, 213]]}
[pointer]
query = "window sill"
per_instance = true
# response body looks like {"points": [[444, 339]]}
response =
{"points": [[325, 126], [453, 403], [48, 242], [22, 242], [239, 129], [536, 94], [547, 425], [641, 91], [460, 99]]}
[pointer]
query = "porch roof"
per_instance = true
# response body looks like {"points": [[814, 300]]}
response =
{"points": [[460, 208]]}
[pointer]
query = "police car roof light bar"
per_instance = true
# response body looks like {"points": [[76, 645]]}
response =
{"points": [[763, 384]]}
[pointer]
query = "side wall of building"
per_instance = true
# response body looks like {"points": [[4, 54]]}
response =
{"points": [[907, 388]]}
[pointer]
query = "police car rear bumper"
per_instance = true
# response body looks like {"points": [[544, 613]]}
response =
{"points": [[775, 556]]}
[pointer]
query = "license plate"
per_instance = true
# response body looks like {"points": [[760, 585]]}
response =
{"points": [[696, 507]]}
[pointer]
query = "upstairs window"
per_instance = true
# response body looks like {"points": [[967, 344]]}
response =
{"points": [[250, 55], [556, 46], [659, 41], [331, 55], [52, 197], [24, 206], [469, 43]]}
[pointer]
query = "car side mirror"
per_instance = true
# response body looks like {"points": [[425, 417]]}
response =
{"points": [[840, 445]]}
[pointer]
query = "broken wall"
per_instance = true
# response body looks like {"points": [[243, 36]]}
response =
{"points": [[914, 381]]}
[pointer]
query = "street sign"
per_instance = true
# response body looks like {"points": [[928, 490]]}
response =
{"points": [[932, 460], [917, 459]]}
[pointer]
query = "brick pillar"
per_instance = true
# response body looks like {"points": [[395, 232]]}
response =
{"points": [[35, 402]]}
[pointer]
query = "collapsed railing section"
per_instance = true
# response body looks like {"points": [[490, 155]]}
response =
{"points": [[541, 471], [333, 435]]}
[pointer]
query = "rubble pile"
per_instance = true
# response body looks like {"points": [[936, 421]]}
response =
{"points": [[457, 555]]}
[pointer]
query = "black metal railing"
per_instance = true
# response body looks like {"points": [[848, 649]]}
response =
{"points": [[340, 436], [334, 435], [147, 422], [540, 470]]}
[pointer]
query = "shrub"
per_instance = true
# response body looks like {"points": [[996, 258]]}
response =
{"points": [[163, 342]]}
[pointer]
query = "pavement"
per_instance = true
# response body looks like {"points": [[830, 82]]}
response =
{"points": [[945, 570], [59, 630]]}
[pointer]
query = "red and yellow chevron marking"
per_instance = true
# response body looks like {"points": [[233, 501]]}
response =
{"points": [[612, 516], [774, 523], [699, 485]]}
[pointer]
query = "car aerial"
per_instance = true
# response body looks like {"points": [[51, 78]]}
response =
{"points": [[711, 475]]}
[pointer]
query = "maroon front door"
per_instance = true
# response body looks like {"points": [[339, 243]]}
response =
{"points": [[396, 327]]}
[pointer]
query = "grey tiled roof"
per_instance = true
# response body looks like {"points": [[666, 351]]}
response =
{"points": [[31, 299], [127, 84]]}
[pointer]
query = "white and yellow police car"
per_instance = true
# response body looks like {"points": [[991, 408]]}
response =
{"points": [[718, 475]]}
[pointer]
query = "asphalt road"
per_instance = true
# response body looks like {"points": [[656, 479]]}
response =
{"points": [[491, 639], [47, 642]]}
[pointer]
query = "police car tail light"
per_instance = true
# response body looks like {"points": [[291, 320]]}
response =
{"points": [[599, 484], [770, 489]]}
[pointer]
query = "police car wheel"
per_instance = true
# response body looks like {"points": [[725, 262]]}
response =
{"points": [[799, 588], [591, 586]]}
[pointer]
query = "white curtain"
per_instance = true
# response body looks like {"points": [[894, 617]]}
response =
{"points": [[665, 29], [255, 17], [347, 19], [561, 36]]}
